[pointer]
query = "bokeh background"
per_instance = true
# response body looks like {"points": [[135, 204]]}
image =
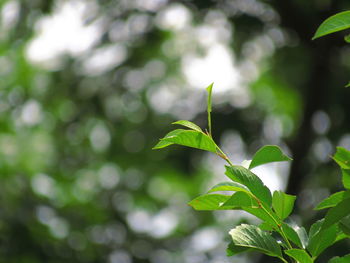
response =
{"points": [[87, 88]]}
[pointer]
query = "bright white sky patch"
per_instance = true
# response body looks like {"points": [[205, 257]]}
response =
{"points": [[104, 59], [163, 223], [206, 239], [9, 14], [64, 32], [217, 66], [273, 177], [174, 17], [150, 5]]}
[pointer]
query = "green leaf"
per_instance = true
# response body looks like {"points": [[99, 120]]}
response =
{"points": [[268, 154], [188, 138], [263, 215], [320, 239], [345, 259], [302, 235], [336, 213], [244, 176], [162, 143], [315, 228], [345, 228], [340, 236], [209, 202], [342, 157], [283, 204], [292, 235], [209, 90], [346, 178], [333, 200], [347, 38], [300, 231], [344, 225], [333, 24], [240, 199], [229, 186], [250, 236], [188, 124], [347, 85], [266, 226], [299, 255], [232, 249]]}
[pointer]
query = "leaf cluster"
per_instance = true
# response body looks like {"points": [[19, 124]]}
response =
{"points": [[277, 235]]}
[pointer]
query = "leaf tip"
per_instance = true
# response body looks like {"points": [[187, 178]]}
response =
{"points": [[210, 88], [315, 36], [156, 147]]}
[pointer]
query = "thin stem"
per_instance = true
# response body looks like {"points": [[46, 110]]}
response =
{"points": [[280, 230], [209, 123], [279, 227], [223, 155]]}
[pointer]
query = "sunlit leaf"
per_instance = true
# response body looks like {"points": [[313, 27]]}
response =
{"points": [[240, 199], [302, 235], [299, 255], [292, 235], [266, 226], [344, 259], [228, 186], [340, 236], [189, 124], [336, 213], [283, 203], [333, 200], [209, 90], [333, 24], [320, 239], [188, 138], [347, 38], [209, 202], [268, 154], [346, 178], [244, 176], [253, 237], [260, 213], [162, 143], [342, 157]]}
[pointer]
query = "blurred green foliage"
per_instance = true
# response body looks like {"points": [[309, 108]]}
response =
{"points": [[88, 87]]}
